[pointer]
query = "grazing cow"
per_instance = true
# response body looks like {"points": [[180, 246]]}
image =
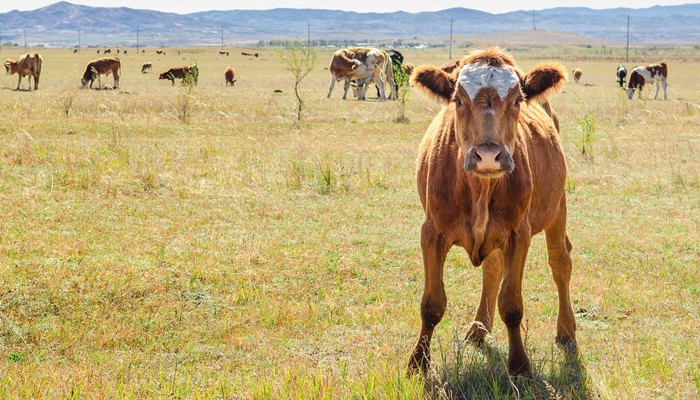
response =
{"points": [[160, 52], [28, 65], [179, 73], [396, 62], [243, 53], [491, 173], [98, 52], [107, 51], [347, 64], [224, 53], [256, 55], [230, 75], [124, 51], [145, 67], [656, 73], [621, 74], [576, 73], [75, 51], [117, 51], [103, 66]]}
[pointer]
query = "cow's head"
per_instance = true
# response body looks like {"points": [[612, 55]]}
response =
{"points": [[635, 81], [486, 94], [89, 76]]}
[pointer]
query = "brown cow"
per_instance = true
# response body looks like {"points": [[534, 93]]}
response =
{"points": [[224, 53], [230, 75], [491, 174], [347, 64], [103, 66], [656, 73], [576, 73], [107, 51], [147, 66], [28, 65], [178, 73]]}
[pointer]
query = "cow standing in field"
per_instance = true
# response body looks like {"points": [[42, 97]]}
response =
{"points": [[103, 66], [347, 64], [107, 51], [379, 71], [230, 76], [656, 73], [28, 65], [179, 73], [491, 174], [621, 73], [224, 53], [577, 73], [146, 67]]}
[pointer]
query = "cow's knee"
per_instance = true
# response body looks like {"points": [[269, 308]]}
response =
{"points": [[432, 310]]}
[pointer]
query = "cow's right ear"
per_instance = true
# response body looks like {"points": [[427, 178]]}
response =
{"points": [[434, 82]]}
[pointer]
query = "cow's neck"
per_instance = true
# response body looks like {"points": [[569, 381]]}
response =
{"points": [[480, 214]]}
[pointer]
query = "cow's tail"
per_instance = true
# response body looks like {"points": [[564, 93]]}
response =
{"points": [[39, 61]]}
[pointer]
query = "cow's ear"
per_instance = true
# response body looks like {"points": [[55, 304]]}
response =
{"points": [[543, 80], [434, 82]]}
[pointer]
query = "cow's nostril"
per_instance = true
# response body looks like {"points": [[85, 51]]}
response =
{"points": [[478, 157], [498, 157]]}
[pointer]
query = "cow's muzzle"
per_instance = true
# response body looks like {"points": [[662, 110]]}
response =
{"points": [[489, 160]]}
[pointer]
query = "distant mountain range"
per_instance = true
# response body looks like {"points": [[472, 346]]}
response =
{"points": [[58, 25]]}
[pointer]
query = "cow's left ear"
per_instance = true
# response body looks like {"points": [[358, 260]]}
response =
{"points": [[434, 82], [543, 80]]}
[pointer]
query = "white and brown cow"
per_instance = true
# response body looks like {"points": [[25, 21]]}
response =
{"points": [[102, 66], [347, 64], [379, 72], [491, 174], [147, 66], [621, 75], [656, 73], [28, 65]]}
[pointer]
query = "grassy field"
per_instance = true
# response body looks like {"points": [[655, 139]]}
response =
{"points": [[246, 255]]}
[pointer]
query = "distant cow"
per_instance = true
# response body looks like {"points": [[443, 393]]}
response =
{"points": [[491, 173], [103, 66], [75, 51], [117, 51], [107, 51], [179, 73], [576, 73], [656, 73], [124, 51], [621, 73], [230, 76], [146, 67], [28, 65], [160, 52], [224, 53], [347, 64], [256, 54], [243, 53], [98, 52]]}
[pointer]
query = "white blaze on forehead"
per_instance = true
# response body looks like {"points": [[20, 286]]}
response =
{"points": [[475, 76]]}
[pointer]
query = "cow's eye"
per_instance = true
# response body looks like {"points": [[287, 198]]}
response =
{"points": [[458, 102], [516, 104]]}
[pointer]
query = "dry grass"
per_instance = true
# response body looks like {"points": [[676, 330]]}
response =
{"points": [[245, 255]]}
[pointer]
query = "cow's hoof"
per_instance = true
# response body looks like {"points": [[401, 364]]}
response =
{"points": [[477, 333], [567, 343], [418, 363]]}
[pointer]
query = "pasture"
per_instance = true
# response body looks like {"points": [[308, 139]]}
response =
{"points": [[157, 242]]}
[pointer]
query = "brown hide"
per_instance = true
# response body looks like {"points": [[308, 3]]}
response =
{"points": [[635, 81], [146, 67], [230, 75], [28, 65], [103, 66], [492, 216]]}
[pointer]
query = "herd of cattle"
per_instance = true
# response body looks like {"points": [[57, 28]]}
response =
{"points": [[358, 67]]}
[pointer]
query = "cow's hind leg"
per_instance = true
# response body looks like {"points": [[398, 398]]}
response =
{"points": [[330, 90], [665, 89], [559, 254], [36, 82], [434, 301], [492, 271], [657, 90], [19, 81]]}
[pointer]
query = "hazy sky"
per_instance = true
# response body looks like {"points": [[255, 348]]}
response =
{"points": [[499, 6]]}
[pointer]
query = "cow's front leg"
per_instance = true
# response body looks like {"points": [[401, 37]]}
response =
{"points": [[510, 299], [330, 90], [492, 274], [434, 301]]}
